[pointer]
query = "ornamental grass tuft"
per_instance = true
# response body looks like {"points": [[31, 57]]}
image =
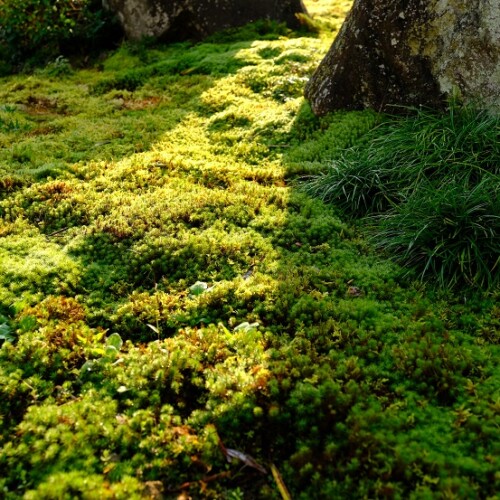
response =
{"points": [[428, 186]]}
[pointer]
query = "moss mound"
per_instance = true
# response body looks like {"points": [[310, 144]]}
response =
{"points": [[177, 318]]}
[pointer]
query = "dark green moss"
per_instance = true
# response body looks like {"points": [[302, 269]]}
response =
{"points": [[172, 294]]}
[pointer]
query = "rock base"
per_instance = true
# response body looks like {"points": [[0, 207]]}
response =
{"points": [[196, 19], [393, 53]]}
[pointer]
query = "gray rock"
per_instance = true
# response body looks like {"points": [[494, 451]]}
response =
{"points": [[411, 52], [183, 19]]}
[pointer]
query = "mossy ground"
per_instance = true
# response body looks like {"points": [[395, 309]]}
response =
{"points": [[154, 197]]}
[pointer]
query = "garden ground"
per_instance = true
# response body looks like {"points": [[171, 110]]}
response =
{"points": [[170, 297]]}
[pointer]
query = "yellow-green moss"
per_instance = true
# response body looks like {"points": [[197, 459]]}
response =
{"points": [[170, 167]]}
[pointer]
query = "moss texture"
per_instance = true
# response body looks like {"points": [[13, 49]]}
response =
{"points": [[169, 299]]}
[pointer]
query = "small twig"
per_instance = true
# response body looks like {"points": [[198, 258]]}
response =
{"points": [[30, 386], [58, 232], [285, 494]]}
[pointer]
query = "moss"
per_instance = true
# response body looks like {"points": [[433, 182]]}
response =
{"points": [[253, 317]]}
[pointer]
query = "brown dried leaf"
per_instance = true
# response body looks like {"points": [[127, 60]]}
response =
{"points": [[243, 457]]}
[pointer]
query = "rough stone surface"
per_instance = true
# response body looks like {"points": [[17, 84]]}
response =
{"points": [[411, 52], [184, 19]]}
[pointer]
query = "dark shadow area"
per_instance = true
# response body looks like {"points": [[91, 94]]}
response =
{"points": [[183, 28]]}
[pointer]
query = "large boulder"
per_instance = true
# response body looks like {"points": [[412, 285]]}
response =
{"points": [[411, 52], [195, 19]]}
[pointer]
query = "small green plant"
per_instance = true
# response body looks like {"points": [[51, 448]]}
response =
{"points": [[10, 121], [59, 67], [105, 354], [5, 332]]}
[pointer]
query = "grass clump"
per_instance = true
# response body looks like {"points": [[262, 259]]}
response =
{"points": [[429, 184], [169, 298]]}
